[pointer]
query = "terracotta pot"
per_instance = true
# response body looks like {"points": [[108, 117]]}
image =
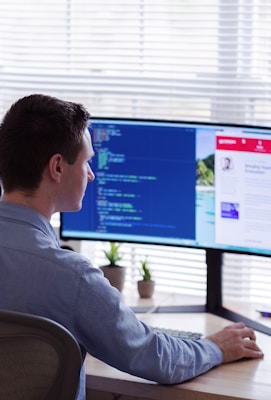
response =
{"points": [[115, 274], [145, 289]]}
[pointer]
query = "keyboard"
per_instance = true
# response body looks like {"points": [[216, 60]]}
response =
{"points": [[179, 333]]}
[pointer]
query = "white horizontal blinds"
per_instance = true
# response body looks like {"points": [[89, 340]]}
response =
{"points": [[196, 59], [33, 36], [243, 74], [190, 59], [131, 56], [175, 270], [247, 278]]}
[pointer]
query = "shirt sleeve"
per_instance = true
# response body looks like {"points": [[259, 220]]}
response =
{"points": [[111, 332]]}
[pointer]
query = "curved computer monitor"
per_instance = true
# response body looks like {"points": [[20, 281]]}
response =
{"points": [[177, 183]]}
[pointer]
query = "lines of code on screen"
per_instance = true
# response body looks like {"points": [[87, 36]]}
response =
{"points": [[145, 183]]}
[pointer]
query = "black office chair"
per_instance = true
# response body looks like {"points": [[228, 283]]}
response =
{"points": [[39, 359]]}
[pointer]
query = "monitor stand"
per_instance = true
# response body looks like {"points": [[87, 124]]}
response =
{"points": [[214, 304]]}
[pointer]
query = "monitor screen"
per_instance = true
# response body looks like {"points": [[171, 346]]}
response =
{"points": [[177, 183]]}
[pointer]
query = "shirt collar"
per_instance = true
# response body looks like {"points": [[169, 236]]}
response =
{"points": [[24, 214]]}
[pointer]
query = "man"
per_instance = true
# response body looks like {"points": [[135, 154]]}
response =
{"points": [[227, 164], [45, 154]]}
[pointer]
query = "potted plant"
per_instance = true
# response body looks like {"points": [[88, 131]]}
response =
{"points": [[114, 272], [146, 285]]}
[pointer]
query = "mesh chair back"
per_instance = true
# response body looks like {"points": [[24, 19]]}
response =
{"points": [[39, 359]]}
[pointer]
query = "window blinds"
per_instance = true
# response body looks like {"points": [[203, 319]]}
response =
{"points": [[197, 59]]}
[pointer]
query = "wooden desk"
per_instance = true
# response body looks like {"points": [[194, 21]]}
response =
{"points": [[245, 379]]}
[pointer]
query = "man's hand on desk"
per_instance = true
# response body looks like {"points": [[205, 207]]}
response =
{"points": [[237, 341]]}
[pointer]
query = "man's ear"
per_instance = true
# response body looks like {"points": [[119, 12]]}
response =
{"points": [[56, 167]]}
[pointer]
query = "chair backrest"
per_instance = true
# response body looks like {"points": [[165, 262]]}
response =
{"points": [[39, 359]]}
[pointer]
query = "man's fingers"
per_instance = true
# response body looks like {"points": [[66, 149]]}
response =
{"points": [[248, 333]]}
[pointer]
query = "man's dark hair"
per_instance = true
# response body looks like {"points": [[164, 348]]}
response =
{"points": [[33, 129]]}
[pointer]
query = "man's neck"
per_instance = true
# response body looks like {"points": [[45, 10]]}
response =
{"points": [[32, 201]]}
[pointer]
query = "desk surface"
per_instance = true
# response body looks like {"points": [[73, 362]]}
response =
{"points": [[245, 379]]}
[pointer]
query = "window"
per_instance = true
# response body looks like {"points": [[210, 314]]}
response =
{"points": [[191, 59]]}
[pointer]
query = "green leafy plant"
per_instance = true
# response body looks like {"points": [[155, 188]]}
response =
{"points": [[145, 271], [113, 255]]}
